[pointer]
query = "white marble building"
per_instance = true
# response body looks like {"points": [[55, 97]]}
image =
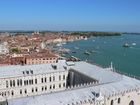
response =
{"points": [[107, 88], [22, 81]]}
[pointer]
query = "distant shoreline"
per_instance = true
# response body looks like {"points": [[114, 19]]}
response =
{"points": [[81, 33]]}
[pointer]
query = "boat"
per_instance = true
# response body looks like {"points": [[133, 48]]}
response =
{"points": [[76, 48], [133, 44], [93, 40], [63, 43], [93, 51], [87, 53], [59, 45], [85, 38], [73, 51], [126, 45]]}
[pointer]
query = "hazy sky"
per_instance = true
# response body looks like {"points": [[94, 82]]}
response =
{"points": [[83, 15]]}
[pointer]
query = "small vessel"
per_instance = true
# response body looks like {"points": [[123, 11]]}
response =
{"points": [[76, 48], [59, 44], [93, 40], [133, 44], [73, 51], [63, 43], [85, 38], [93, 51], [87, 53], [126, 45]]}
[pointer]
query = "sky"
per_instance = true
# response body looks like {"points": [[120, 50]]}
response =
{"points": [[70, 15]]}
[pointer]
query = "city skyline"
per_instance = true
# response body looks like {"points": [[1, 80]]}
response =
{"points": [[70, 15]]}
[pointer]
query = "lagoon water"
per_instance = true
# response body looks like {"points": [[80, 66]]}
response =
{"points": [[109, 49]]}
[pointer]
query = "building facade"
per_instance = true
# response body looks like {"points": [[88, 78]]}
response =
{"points": [[27, 82], [33, 59], [67, 83], [40, 60]]}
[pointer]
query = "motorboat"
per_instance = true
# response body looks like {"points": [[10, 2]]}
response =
{"points": [[126, 45], [87, 53]]}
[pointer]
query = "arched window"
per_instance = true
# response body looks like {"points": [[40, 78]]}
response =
{"points": [[20, 91], [25, 91], [42, 88], [112, 102], [131, 102], [45, 87], [32, 90], [36, 89], [119, 100], [12, 93]]}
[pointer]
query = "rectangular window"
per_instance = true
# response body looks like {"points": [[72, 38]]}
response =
{"points": [[42, 88], [27, 72], [18, 82], [63, 77], [53, 78], [50, 79], [60, 85], [25, 91], [53, 86], [31, 71], [32, 90], [63, 84], [59, 77], [35, 81], [7, 84], [27, 82], [42, 80], [14, 83], [30, 82], [50, 86], [11, 83], [45, 79]]}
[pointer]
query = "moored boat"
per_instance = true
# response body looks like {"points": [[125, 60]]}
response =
{"points": [[126, 45], [87, 53], [133, 44]]}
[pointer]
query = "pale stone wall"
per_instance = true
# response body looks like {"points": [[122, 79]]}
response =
{"points": [[125, 98], [57, 83]]}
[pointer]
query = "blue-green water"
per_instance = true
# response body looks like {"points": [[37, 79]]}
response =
{"points": [[109, 49]]}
